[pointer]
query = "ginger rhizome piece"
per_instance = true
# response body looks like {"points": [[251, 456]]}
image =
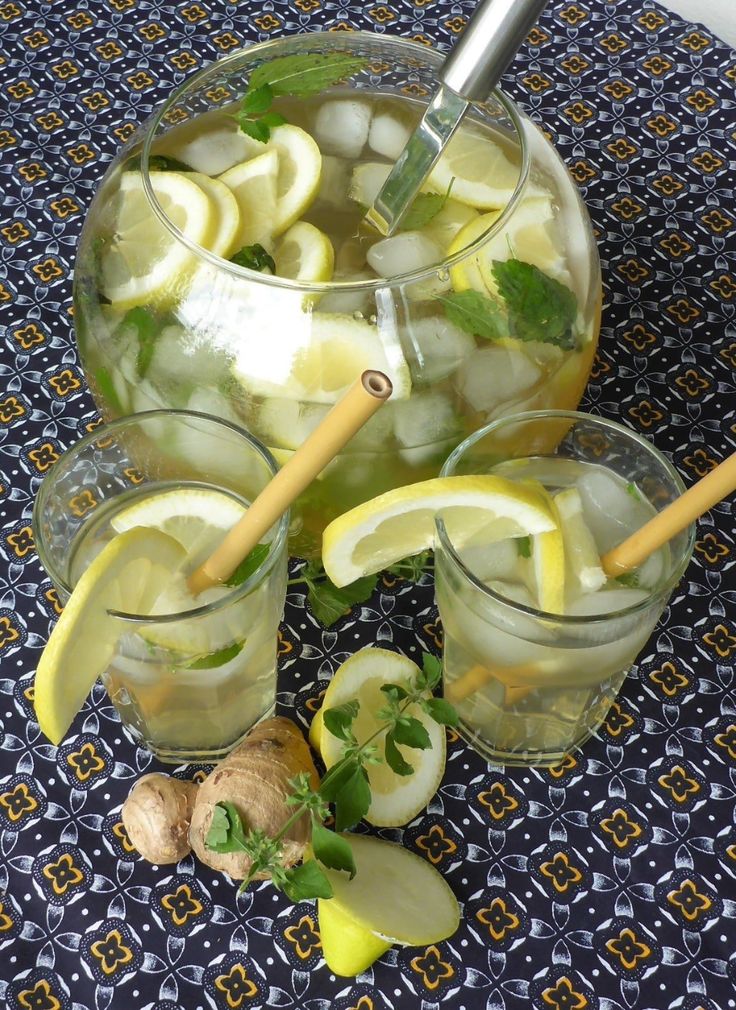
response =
{"points": [[156, 816]]}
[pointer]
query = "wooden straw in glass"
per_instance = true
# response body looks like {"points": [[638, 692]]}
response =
{"points": [[709, 490], [350, 413]]}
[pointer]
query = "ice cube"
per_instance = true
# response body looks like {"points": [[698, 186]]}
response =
{"points": [[493, 561], [341, 127], [388, 135], [349, 301], [605, 601], [423, 424], [215, 151], [610, 511], [404, 253], [439, 347], [334, 182], [287, 423], [495, 375], [366, 182], [178, 360]]}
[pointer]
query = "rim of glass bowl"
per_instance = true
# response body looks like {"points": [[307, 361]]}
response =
{"points": [[327, 40], [277, 544], [677, 568]]}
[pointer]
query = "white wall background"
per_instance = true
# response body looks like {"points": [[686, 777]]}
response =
{"points": [[718, 15]]}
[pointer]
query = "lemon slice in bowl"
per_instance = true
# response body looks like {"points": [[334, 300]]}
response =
{"points": [[299, 172], [222, 238], [305, 254], [395, 799], [401, 522], [127, 575], [481, 174], [144, 257], [254, 184]]}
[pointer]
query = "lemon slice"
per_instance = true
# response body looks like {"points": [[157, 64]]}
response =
{"points": [[305, 254], [582, 561], [299, 171], [144, 257], [222, 238], [195, 517], [315, 357], [396, 799], [394, 894], [348, 948], [402, 522], [127, 575], [481, 174], [467, 273], [447, 222], [548, 565], [254, 184]]}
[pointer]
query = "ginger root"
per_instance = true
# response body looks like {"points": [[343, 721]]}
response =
{"points": [[156, 816], [254, 778], [167, 818]]}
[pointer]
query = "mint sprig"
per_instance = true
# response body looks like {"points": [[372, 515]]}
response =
{"points": [[327, 601], [475, 313], [300, 76], [345, 785], [254, 257]]}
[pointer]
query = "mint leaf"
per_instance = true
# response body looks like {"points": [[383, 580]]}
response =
{"points": [[250, 564], [337, 777], [306, 881], [441, 711], [353, 801], [339, 720], [254, 257], [329, 603], [273, 119], [146, 328], [213, 659], [539, 307], [255, 128], [226, 832], [432, 671], [395, 692], [106, 389], [332, 849], [305, 74], [523, 546], [411, 567], [423, 208], [633, 491], [256, 100], [158, 163], [409, 732], [475, 313], [394, 759]]}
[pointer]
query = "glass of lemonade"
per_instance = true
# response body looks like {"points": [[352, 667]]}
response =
{"points": [[530, 685], [191, 678], [487, 302]]}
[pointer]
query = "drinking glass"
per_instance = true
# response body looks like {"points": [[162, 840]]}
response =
{"points": [[187, 685], [530, 686]]}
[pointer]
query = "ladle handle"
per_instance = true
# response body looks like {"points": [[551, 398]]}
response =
{"points": [[487, 46]]}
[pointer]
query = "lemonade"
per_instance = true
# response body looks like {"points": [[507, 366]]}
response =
{"points": [[188, 676], [233, 275], [537, 640]]}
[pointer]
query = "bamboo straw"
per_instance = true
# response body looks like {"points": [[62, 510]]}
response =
{"points": [[707, 492], [349, 414]]}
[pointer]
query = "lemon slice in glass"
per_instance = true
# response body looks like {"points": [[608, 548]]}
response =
{"points": [[127, 575], [481, 174], [144, 257], [395, 799], [583, 563], [304, 254], [401, 522], [254, 186], [300, 168]]}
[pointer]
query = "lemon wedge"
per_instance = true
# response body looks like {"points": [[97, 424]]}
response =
{"points": [[394, 894], [548, 564], [144, 257], [396, 799], [467, 273], [254, 184], [299, 172], [222, 238], [402, 522], [305, 254], [481, 174], [348, 948], [127, 575], [583, 564]]}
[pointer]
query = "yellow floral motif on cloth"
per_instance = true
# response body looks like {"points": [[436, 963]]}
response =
{"points": [[304, 937], [86, 762], [40, 997], [689, 901], [182, 905], [19, 802], [63, 874], [621, 828], [678, 784], [628, 949], [561, 872], [498, 801], [236, 986], [432, 968], [499, 919], [111, 952], [436, 844], [562, 996]]}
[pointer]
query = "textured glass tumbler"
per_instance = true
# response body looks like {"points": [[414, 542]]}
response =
{"points": [[530, 686], [186, 685]]}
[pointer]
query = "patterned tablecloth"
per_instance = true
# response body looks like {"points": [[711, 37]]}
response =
{"points": [[609, 882]]}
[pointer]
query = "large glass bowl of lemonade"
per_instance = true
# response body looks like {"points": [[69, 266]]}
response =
{"points": [[225, 266]]}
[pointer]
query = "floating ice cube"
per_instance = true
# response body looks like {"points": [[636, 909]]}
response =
{"points": [[493, 561], [495, 375], [287, 423], [388, 135], [439, 347], [406, 252], [334, 182], [423, 424], [215, 151], [610, 511], [179, 361], [605, 601], [341, 127], [367, 180]]}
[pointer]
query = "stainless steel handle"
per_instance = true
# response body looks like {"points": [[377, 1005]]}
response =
{"points": [[487, 46]]}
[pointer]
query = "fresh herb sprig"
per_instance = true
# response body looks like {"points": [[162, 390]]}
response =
{"points": [[254, 257], [531, 305], [300, 76], [345, 785], [424, 207], [329, 602]]}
